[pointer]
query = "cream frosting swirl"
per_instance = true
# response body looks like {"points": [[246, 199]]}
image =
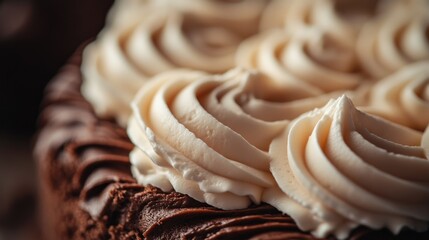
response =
{"points": [[340, 19], [158, 39], [208, 136], [348, 168], [403, 97], [241, 15], [310, 58], [397, 38]]}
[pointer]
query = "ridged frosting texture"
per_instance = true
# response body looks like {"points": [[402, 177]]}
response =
{"points": [[341, 19], [208, 136], [241, 15], [151, 39], [348, 168], [396, 38], [403, 97], [84, 168], [311, 44], [310, 58]]}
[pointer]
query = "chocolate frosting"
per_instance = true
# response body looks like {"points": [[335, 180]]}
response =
{"points": [[83, 161]]}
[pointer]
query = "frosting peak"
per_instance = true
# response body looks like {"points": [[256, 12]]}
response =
{"points": [[347, 168], [310, 58], [207, 136]]}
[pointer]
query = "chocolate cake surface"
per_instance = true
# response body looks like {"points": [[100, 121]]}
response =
{"points": [[87, 190]]}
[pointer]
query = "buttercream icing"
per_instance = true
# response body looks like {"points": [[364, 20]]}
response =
{"points": [[137, 47], [348, 168], [403, 97], [208, 135], [398, 37]]}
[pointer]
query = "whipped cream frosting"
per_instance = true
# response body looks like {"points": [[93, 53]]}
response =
{"points": [[403, 97], [327, 15], [311, 59], [346, 168], [156, 40], [208, 135], [241, 15], [397, 38]]}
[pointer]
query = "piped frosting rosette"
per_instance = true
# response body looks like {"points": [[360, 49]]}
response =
{"points": [[397, 38], [241, 15], [208, 136], [347, 168], [340, 19], [160, 39], [309, 59], [403, 97]]}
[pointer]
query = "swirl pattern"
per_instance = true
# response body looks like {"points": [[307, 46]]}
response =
{"points": [[340, 19], [190, 127], [403, 97], [310, 59], [241, 15], [156, 40], [87, 185], [377, 171], [396, 39]]}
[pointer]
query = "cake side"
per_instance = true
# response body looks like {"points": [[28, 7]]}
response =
{"points": [[68, 127]]}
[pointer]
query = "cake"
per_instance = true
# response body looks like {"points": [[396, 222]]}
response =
{"points": [[167, 131]]}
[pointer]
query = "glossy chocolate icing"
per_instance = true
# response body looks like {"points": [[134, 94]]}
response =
{"points": [[87, 191]]}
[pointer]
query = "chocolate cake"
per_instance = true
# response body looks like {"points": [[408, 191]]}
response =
{"points": [[91, 189], [87, 190]]}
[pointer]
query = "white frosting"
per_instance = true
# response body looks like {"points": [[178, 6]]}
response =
{"points": [[399, 37], [311, 59], [403, 97], [158, 39], [208, 136], [347, 168], [321, 14], [241, 15]]}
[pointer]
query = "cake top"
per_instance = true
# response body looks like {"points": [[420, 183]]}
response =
{"points": [[318, 108]]}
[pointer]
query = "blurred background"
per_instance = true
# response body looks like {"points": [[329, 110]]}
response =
{"points": [[36, 39]]}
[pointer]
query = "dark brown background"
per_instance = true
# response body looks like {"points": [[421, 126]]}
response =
{"points": [[36, 38]]}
